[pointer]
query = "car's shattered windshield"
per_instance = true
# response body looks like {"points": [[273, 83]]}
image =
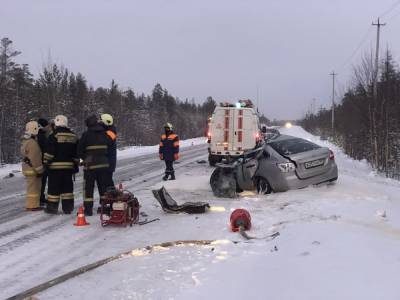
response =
{"points": [[293, 146]]}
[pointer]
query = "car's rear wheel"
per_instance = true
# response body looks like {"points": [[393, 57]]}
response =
{"points": [[263, 186]]}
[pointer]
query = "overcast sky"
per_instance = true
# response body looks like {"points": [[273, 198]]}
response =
{"points": [[220, 48]]}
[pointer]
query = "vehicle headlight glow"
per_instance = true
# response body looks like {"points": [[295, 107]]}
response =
{"points": [[286, 167], [288, 125]]}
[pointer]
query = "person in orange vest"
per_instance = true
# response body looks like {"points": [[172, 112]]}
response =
{"points": [[169, 150], [111, 131], [32, 166]]}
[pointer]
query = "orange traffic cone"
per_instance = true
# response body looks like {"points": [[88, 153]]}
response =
{"points": [[81, 221]]}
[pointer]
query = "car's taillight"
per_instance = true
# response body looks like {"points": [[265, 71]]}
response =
{"points": [[286, 167], [331, 155]]}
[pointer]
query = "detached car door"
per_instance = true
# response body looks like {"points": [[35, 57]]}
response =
{"points": [[246, 170]]}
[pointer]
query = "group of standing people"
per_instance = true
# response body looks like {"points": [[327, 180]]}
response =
{"points": [[52, 154]]}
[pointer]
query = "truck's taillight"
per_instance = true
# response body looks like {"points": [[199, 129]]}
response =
{"points": [[331, 155]]}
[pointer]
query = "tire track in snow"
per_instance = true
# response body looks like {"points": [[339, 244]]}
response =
{"points": [[153, 176]]}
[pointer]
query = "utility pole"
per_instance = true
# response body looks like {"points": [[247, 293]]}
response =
{"points": [[258, 95], [314, 106], [333, 74], [378, 30]]}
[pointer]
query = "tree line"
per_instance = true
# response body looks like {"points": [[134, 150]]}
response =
{"points": [[366, 127], [139, 118]]}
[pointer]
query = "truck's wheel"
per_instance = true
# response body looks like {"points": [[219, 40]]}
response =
{"points": [[213, 159], [263, 186]]}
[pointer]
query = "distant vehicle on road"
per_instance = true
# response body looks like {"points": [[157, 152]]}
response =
{"points": [[284, 162], [232, 129]]}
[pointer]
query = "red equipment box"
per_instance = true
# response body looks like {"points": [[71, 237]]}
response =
{"points": [[119, 207]]}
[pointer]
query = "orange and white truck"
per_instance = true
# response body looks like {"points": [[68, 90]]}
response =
{"points": [[232, 129]]}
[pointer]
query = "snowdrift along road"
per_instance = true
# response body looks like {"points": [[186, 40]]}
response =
{"points": [[337, 242]]}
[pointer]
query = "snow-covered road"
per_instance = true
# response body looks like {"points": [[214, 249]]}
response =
{"points": [[35, 247], [337, 241]]}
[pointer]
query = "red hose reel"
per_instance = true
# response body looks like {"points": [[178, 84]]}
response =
{"points": [[240, 218]]}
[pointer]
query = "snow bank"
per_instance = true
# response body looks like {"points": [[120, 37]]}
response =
{"points": [[127, 152], [135, 151], [338, 241]]}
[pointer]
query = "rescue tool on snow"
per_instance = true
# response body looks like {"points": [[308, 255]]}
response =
{"points": [[169, 205], [81, 221]]}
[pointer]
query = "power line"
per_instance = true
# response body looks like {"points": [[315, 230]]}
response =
{"points": [[393, 6], [367, 34], [360, 44], [394, 16]]}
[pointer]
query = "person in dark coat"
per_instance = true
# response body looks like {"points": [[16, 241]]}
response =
{"points": [[93, 149], [62, 162], [44, 132], [111, 131], [169, 150]]}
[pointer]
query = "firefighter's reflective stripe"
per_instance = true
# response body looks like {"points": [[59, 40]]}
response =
{"points": [[88, 200], [33, 195], [39, 169], [61, 165], [96, 147], [48, 156], [53, 198], [66, 137], [111, 134], [67, 196], [97, 166], [65, 134], [172, 136], [29, 173]]}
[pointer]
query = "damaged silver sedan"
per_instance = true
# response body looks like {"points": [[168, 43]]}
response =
{"points": [[284, 162]]}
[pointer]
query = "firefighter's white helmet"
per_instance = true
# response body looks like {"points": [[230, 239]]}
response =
{"points": [[61, 121], [32, 128], [107, 119], [168, 126]]}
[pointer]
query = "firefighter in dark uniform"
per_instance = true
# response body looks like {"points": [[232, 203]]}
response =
{"points": [[44, 132], [169, 150], [61, 161], [111, 131], [93, 150]]}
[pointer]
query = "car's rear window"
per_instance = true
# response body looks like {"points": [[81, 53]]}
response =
{"points": [[293, 146]]}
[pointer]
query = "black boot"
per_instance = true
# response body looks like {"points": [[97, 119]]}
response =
{"points": [[172, 176], [88, 208], [165, 177], [51, 208]]}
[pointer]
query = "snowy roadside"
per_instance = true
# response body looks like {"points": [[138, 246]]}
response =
{"points": [[135, 151], [337, 241], [127, 152]]}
